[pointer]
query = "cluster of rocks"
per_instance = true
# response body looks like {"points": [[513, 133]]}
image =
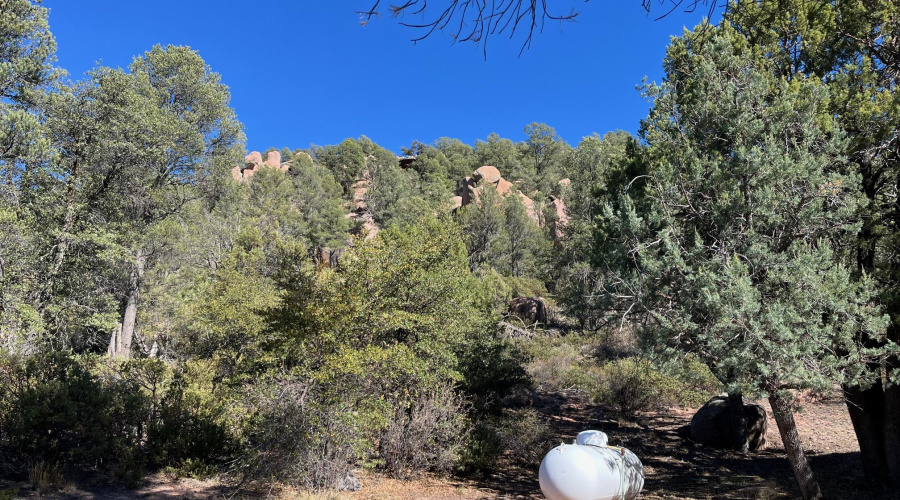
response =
{"points": [[359, 209], [253, 162], [469, 190]]}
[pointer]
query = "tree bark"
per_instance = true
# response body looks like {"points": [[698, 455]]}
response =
{"points": [[120, 345], [892, 433], [739, 437], [787, 427], [866, 409]]}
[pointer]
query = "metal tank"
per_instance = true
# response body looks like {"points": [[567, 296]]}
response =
{"points": [[590, 469]]}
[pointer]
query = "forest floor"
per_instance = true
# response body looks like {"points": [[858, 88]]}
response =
{"points": [[675, 468]]}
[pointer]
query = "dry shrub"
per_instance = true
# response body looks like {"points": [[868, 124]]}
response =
{"points": [[43, 477], [551, 360], [525, 436], [426, 434], [616, 343], [630, 386], [298, 439]]}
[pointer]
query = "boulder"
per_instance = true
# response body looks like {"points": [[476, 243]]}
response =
{"points": [[488, 173], [349, 483], [562, 216], [236, 174], [564, 182], [711, 425], [503, 186], [253, 159], [530, 309], [529, 207], [273, 159], [457, 202]]}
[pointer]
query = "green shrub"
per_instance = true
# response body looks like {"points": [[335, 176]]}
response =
{"points": [[520, 434], [85, 415], [491, 369], [629, 386], [633, 385], [59, 412]]}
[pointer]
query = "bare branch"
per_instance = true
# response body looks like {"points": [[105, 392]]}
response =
{"points": [[476, 20]]}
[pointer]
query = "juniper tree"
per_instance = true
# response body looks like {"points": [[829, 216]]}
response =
{"points": [[728, 242]]}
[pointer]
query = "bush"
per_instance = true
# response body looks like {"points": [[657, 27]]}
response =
{"points": [[521, 435], [426, 434], [299, 437], [633, 385], [56, 411], [492, 368], [629, 386], [84, 415]]}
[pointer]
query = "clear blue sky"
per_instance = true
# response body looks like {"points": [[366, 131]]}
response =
{"points": [[306, 72]]}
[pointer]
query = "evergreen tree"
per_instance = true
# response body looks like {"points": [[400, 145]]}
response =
{"points": [[731, 250]]}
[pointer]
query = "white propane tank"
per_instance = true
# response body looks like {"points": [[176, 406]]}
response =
{"points": [[589, 469]]}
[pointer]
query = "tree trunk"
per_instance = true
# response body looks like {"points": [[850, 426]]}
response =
{"points": [[787, 427], [866, 409], [739, 437], [120, 345], [892, 433]]}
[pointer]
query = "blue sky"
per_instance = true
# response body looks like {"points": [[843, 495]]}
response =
{"points": [[306, 72]]}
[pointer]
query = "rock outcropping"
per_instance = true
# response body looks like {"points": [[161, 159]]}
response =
{"points": [[469, 189], [253, 162], [359, 209]]}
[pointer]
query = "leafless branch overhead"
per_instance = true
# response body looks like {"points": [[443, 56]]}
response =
{"points": [[477, 20]]}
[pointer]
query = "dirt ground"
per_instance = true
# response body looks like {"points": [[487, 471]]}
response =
{"points": [[675, 468]]}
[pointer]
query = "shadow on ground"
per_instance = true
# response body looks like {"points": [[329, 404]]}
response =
{"points": [[677, 468]]}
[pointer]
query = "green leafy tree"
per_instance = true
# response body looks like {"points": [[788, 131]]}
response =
{"points": [[26, 55], [346, 161], [483, 223], [503, 154], [547, 152], [462, 157], [318, 196], [525, 243], [597, 169], [136, 148], [731, 252]]}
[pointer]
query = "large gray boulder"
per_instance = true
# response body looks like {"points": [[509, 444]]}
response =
{"points": [[711, 425]]}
